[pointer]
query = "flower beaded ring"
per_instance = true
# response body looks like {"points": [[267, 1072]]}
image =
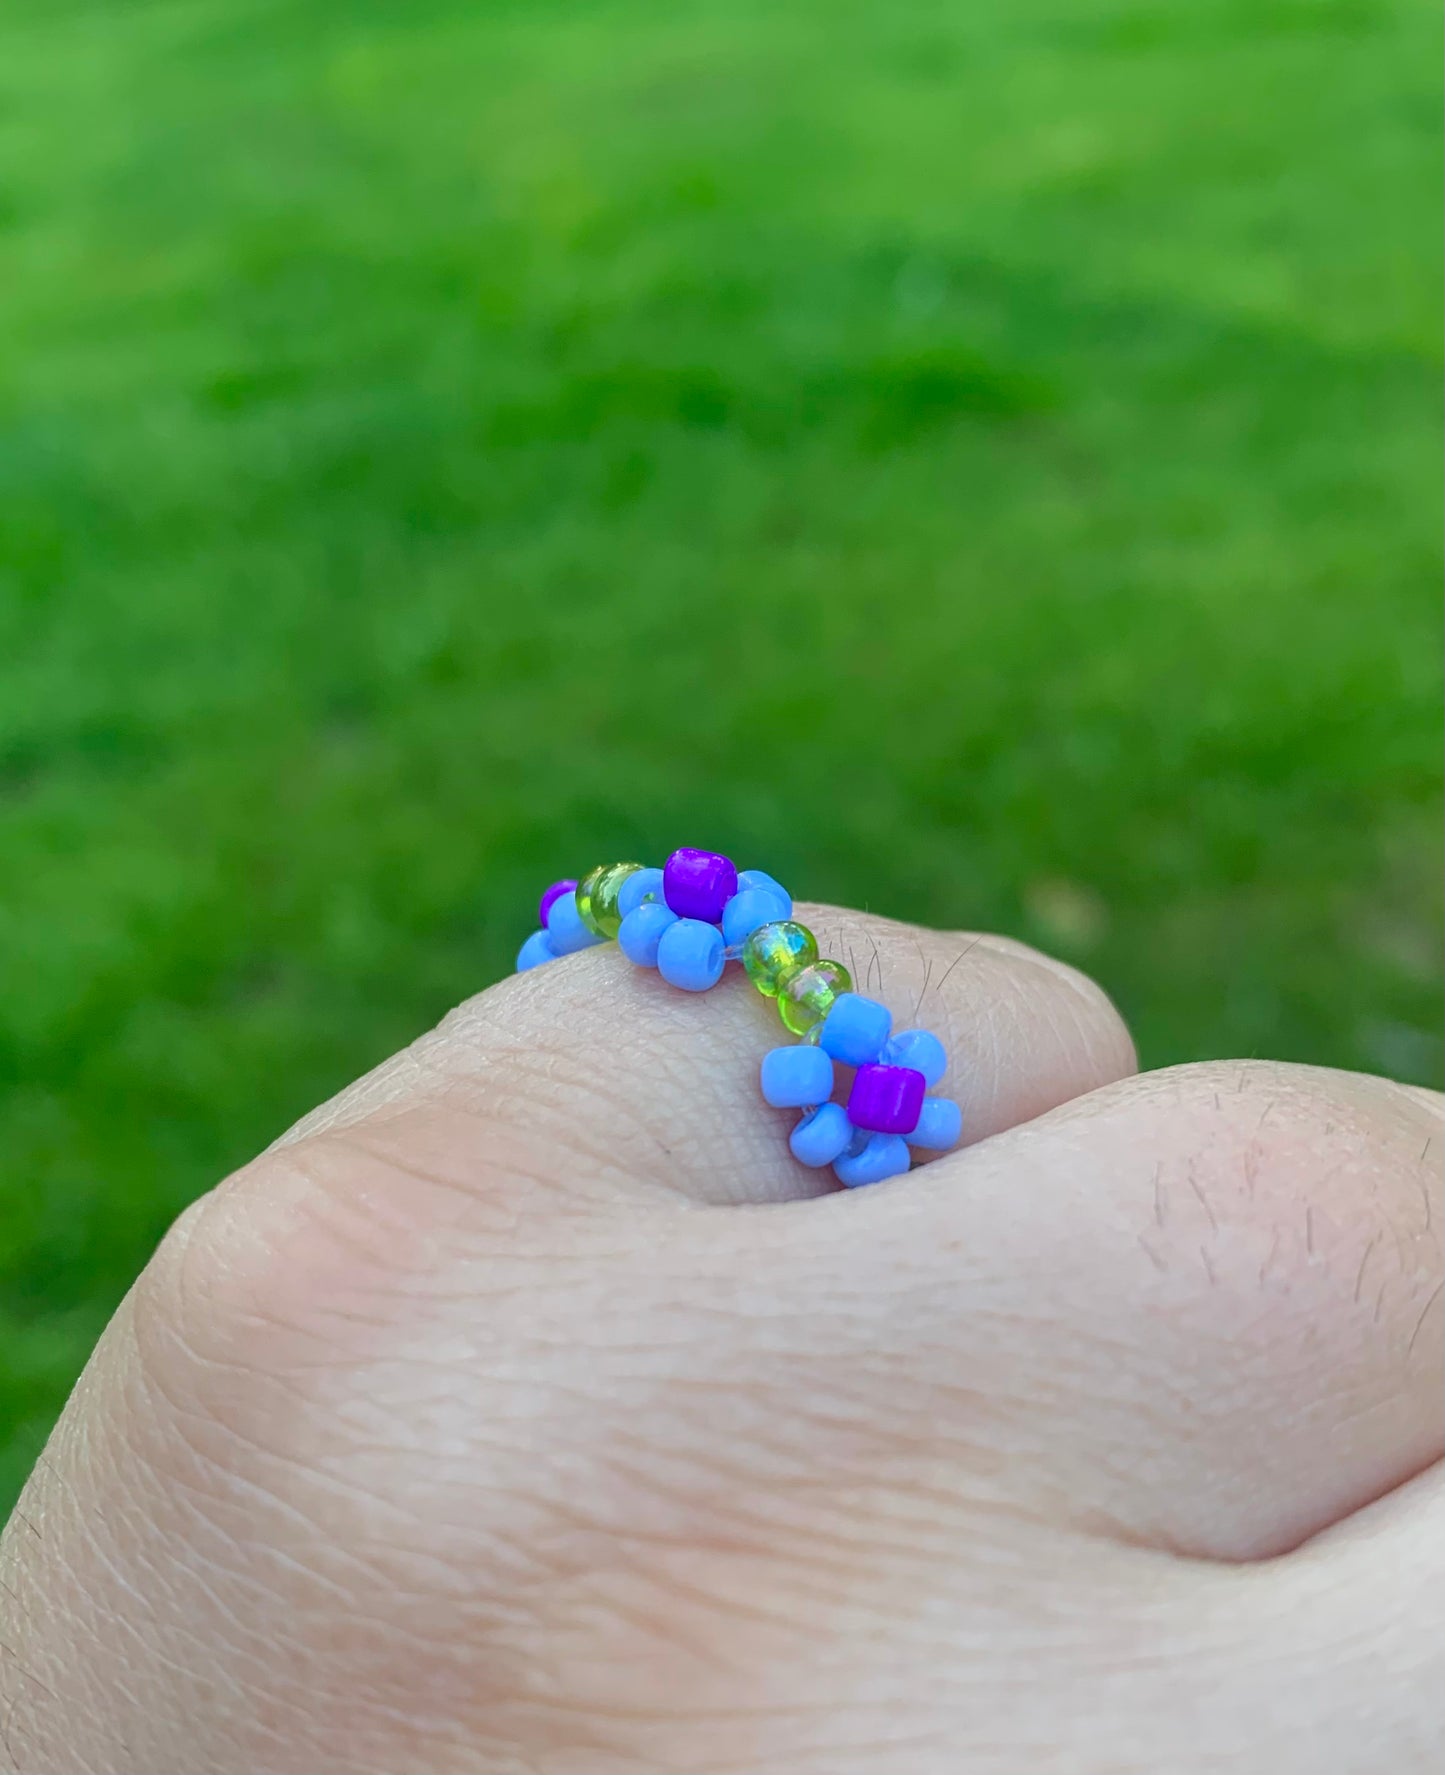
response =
{"points": [[696, 914]]}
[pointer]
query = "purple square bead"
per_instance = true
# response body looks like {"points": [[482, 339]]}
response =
{"points": [[886, 1099], [698, 884]]}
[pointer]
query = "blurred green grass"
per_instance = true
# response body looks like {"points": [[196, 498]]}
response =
{"points": [[976, 461]]}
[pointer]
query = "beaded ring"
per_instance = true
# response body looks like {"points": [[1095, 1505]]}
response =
{"points": [[696, 914]]}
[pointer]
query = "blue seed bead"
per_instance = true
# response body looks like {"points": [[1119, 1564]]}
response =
{"points": [[755, 878], [565, 928], [855, 1030], [690, 955], [920, 1050], [796, 1077], [537, 949], [822, 1136], [641, 932], [886, 1155], [637, 887], [940, 1122], [746, 911]]}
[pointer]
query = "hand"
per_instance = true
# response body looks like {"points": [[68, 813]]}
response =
{"points": [[515, 1413]]}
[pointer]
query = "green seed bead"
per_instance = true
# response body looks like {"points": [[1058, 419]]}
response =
{"points": [[774, 951], [583, 896], [597, 897], [807, 995]]}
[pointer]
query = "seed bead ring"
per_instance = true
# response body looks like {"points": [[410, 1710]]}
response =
{"points": [[696, 914]]}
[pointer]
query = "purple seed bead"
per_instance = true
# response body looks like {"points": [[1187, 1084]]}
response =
{"points": [[886, 1099], [698, 884], [552, 895]]}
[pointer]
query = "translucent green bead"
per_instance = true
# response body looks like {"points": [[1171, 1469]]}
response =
{"points": [[774, 951], [597, 897], [807, 996]]}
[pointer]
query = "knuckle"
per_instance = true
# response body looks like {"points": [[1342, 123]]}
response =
{"points": [[1307, 1189], [274, 1273]]}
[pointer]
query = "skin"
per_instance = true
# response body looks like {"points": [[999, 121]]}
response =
{"points": [[527, 1408]]}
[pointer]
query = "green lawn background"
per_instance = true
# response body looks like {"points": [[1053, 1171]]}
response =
{"points": [[979, 461]]}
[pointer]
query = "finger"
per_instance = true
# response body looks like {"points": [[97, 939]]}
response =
{"points": [[1200, 1309], [615, 1080], [1341, 1664]]}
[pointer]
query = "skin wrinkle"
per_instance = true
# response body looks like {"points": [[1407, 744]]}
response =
{"points": [[307, 1692], [81, 1625], [821, 1534], [92, 1544], [229, 1474], [165, 1583], [497, 1207], [513, 1193], [228, 1487], [1079, 1630], [588, 1383], [1090, 1631], [312, 1474]]}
